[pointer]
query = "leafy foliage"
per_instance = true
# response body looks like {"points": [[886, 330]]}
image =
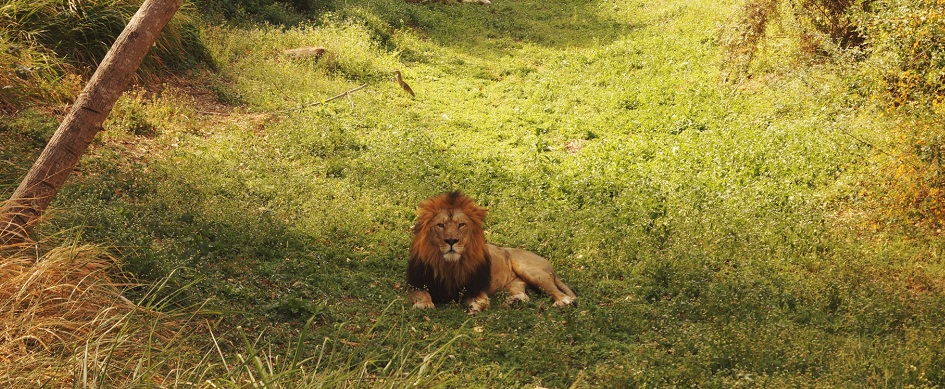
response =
{"points": [[908, 41], [907, 67]]}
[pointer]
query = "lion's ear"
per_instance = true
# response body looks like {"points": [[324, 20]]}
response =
{"points": [[424, 214], [426, 210], [476, 213]]}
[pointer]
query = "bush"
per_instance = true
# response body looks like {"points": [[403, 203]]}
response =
{"points": [[908, 47], [907, 69], [817, 27], [835, 19]]}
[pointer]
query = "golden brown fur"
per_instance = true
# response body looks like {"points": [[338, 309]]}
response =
{"points": [[450, 259]]}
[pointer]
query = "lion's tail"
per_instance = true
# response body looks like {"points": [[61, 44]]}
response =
{"points": [[564, 288]]}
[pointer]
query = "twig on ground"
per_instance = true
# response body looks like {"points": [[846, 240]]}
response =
{"points": [[346, 93], [338, 96]]}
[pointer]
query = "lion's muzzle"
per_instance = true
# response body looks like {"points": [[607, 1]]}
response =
{"points": [[452, 250]]}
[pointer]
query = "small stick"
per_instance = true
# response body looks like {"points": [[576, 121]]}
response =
{"points": [[338, 96]]}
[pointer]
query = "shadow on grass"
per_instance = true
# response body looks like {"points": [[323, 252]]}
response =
{"points": [[474, 29], [24, 135], [230, 241]]}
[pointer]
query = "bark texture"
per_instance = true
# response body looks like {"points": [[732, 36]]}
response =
{"points": [[29, 201]]}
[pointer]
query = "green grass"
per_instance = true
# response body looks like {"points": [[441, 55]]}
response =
{"points": [[45, 40], [709, 228]]}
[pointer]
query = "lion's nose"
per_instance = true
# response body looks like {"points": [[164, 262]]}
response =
{"points": [[451, 241]]}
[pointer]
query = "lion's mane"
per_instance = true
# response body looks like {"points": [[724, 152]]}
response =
{"points": [[427, 270]]}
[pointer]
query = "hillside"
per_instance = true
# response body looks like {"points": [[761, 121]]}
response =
{"points": [[722, 226]]}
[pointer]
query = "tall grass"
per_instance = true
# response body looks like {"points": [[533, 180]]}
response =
{"points": [[65, 323], [82, 32], [34, 75]]}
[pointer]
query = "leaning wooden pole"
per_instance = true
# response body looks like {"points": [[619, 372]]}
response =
{"points": [[78, 129]]}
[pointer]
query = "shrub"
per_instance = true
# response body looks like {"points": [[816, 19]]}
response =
{"points": [[835, 19], [908, 48], [907, 70], [817, 27]]}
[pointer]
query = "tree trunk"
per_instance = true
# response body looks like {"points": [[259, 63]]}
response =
{"points": [[84, 121]]}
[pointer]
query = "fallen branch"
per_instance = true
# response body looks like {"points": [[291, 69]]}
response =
{"points": [[338, 96]]}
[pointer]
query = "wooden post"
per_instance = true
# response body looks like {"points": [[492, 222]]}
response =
{"points": [[84, 121]]}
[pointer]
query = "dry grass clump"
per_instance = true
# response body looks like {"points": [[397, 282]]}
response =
{"points": [[63, 322]]}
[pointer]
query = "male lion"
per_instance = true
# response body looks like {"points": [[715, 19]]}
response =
{"points": [[449, 258]]}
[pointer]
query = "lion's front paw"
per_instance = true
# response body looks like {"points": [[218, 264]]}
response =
{"points": [[478, 305], [521, 297], [567, 300], [423, 305]]}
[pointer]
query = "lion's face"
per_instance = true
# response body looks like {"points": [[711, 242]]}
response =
{"points": [[449, 227], [449, 232]]}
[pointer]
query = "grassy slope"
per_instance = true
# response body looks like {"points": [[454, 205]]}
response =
{"points": [[697, 222]]}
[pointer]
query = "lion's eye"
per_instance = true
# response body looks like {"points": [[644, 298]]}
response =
{"points": [[461, 225], [440, 226]]}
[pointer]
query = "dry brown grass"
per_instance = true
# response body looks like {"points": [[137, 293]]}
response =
{"points": [[64, 323]]}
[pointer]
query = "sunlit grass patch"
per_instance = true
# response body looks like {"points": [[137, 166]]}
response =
{"points": [[273, 80]]}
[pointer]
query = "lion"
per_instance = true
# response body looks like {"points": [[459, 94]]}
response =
{"points": [[450, 260]]}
